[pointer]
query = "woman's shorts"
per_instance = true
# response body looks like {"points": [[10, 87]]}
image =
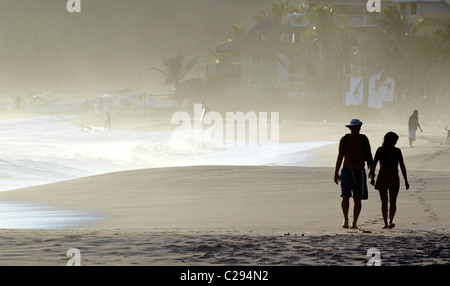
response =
{"points": [[387, 181]]}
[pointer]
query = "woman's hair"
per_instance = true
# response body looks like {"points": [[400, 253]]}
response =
{"points": [[390, 139]]}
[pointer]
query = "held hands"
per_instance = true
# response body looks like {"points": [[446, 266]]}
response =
{"points": [[336, 178], [372, 178]]}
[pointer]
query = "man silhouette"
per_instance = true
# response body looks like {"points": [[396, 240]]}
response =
{"points": [[354, 151]]}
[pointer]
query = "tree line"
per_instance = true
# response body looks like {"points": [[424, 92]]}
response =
{"points": [[417, 62]]}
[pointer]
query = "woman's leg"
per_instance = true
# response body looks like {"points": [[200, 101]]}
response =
{"points": [[384, 205], [393, 193]]}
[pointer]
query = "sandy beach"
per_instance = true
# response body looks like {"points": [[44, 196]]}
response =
{"points": [[243, 215]]}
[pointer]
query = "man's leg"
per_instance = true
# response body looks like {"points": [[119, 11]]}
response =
{"points": [[356, 211], [345, 202]]}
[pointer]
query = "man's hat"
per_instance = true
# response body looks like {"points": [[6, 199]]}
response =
{"points": [[354, 122]]}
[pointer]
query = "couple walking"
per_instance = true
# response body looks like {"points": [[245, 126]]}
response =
{"points": [[354, 152]]}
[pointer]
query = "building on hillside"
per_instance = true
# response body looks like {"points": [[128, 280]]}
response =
{"points": [[434, 14], [272, 56], [252, 65]]}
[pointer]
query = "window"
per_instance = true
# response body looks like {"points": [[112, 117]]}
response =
{"points": [[413, 9], [256, 59], [311, 71], [236, 59], [402, 8], [293, 69], [254, 81]]}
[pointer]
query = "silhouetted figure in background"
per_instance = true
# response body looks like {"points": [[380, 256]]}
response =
{"points": [[100, 105], [86, 105], [388, 181], [448, 135], [18, 102], [413, 124], [108, 121]]}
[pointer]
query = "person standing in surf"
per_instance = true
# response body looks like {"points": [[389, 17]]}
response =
{"points": [[108, 121], [354, 152], [388, 182]]}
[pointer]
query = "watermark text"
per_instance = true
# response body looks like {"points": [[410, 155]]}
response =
{"points": [[373, 6], [375, 255], [231, 130], [73, 6], [75, 257]]}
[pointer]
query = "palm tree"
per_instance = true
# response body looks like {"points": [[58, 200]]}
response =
{"points": [[394, 50], [440, 61], [280, 9], [330, 38], [235, 31], [175, 69], [329, 32]]}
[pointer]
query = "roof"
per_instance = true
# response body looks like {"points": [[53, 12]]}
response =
{"points": [[338, 2], [406, 1], [422, 1], [354, 3], [264, 37]]}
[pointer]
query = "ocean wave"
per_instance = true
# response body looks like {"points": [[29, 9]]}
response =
{"points": [[49, 149]]}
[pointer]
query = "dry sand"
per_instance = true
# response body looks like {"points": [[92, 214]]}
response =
{"points": [[242, 215]]}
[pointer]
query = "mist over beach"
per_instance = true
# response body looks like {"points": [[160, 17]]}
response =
{"points": [[206, 132]]}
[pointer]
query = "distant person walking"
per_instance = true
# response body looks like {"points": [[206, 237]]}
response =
{"points": [[86, 105], [108, 121], [413, 124], [354, 152], [18, 102], [100, 105], [388, 182]]}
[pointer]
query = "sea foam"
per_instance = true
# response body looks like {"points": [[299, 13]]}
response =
{"points": [[49, 149]]}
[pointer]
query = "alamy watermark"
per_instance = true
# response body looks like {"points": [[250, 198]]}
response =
{"points": [[373, 6], [73, 6], [75, 257], [225, 133], [375, 255]]}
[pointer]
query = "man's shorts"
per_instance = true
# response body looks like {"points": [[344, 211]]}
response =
{"points": [[354, 184]]}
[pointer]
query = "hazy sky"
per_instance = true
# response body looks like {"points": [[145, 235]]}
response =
{"points": [[44, 47]]}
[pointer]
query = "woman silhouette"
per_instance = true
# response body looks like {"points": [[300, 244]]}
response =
{"points": [[388, 182]]}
